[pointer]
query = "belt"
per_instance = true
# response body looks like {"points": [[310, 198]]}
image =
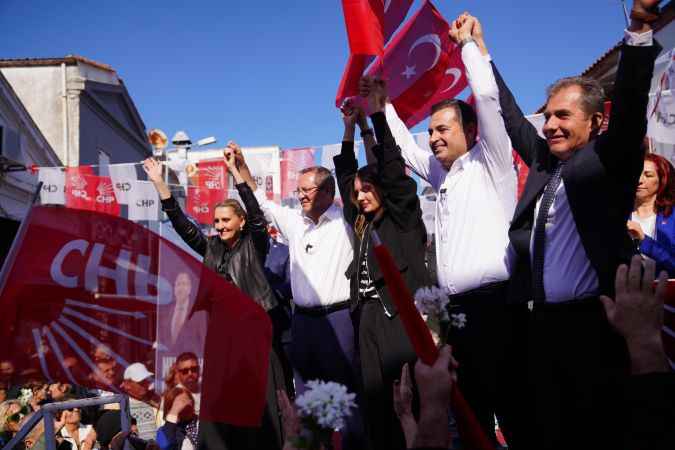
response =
{"points": [[321, 310], [588, 304], [485, 292]]}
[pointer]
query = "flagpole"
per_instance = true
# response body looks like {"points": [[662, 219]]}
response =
{"points": [[625, 13], [14, 249]]}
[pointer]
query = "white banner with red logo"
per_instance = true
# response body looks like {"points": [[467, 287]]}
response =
{"points": [[143, 201]]}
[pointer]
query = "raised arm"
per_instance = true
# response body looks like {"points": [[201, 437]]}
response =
{"points": [[621, 147], [188, 231], [524, 137], [346, 165], [420, 161], [494, 141], [255, 218], [399, 189]]}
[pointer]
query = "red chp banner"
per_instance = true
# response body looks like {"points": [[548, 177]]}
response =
{"points": [[210, 190], [84, 190], [421, 65], [81, 305], [292, 162]]}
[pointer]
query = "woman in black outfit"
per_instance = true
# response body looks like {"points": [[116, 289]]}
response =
{"points": [[237, 252], [380, 197]]}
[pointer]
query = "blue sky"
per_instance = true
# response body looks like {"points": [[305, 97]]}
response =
{"points": [[265, 72]]}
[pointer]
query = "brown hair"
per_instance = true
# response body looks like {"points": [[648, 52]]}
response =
{"points": [[170, 380], [323, 178], [592, 94], [234, 204], [170, 396], [367, 174]]}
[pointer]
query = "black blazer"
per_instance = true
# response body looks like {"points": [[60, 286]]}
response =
{"points": [[243, 264], [600, 179], [400, 228]]}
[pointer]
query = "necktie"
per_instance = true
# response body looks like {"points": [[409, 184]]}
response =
{"points": [[539, 245]]}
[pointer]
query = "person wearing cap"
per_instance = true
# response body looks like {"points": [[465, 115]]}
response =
{"points": [[144, 402]]}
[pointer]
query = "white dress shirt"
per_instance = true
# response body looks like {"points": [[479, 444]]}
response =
{"points": [[568, 273], [320, 253], [476, 199]]}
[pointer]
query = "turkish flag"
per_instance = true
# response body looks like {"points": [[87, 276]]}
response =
{"points": [[367, 14], [211, 189], [292, 162], [421, 65], [81, 305]]}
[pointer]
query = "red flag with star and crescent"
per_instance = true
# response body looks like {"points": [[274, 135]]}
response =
{"points": [[80, 294], [370, 24], [422, 65]]}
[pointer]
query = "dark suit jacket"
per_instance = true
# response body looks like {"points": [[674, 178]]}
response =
{"points": [[600, 178]]}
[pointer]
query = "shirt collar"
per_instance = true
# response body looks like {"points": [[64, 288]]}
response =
{"points": [[332, 213], [459, 163]]}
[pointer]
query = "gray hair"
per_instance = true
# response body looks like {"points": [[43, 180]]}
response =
{"points": [[322, 177], [592, 94]]}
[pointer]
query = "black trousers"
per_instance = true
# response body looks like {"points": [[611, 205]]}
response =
{"points": [[490, 350], [578, 366], [383, 347]]}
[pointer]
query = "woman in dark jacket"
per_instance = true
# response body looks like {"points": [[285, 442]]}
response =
{"points": [[237, 252], [380, 198]]}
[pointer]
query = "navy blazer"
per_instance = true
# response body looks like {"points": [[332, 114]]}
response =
{"points": [[600, 179], [662, 249]]}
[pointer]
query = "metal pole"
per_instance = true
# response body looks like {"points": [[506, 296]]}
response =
{"points": [[625, 13], [50, 440]]}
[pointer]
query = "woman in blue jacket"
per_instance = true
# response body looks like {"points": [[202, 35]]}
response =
{"points": [[652, 224]]}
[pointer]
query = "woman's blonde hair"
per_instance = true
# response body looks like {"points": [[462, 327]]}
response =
{"points": [[4, 412]]}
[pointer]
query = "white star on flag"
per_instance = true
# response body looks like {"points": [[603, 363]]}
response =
{"points": [[409, 72]]}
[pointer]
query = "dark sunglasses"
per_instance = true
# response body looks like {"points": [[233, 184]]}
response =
{"points": [[186, 370]]}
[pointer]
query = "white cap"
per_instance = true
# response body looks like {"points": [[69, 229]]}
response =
{"points": [[136, 372]]}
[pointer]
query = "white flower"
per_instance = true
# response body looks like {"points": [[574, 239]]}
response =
{"points": [[458, 320], [328, 403], [432, 301], [25, 396]]}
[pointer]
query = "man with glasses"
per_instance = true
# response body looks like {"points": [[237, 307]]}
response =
{"points": [[185, 372], [320, 248]]}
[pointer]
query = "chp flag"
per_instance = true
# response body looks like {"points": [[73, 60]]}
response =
{"points": [[81, 306], [53, 185], [143, 201], [123, 178]]}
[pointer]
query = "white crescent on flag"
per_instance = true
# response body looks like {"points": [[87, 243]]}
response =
{"points": [[456, 76], [433, 39]]}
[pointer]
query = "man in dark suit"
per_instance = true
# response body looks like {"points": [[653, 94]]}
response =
{"points": [[568, 235]]}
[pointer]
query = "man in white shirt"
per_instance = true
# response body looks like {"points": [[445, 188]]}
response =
{"points": [[320, 248], [569, 235], [470, 167]]}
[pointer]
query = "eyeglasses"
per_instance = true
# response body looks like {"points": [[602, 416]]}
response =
{"points": [[72, 409], [301, 192], [186, 370]]}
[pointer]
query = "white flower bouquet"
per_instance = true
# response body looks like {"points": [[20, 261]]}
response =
{"points": [[433, 303], [25, 396], [322, 408]]}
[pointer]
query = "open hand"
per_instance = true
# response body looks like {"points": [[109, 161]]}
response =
{"points": [[154, 170]]}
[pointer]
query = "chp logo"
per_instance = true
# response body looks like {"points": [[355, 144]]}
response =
{"points": [[145, 203], [51, 188], [78, 186], [124, 186], [213, 177], [105, 193]]}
